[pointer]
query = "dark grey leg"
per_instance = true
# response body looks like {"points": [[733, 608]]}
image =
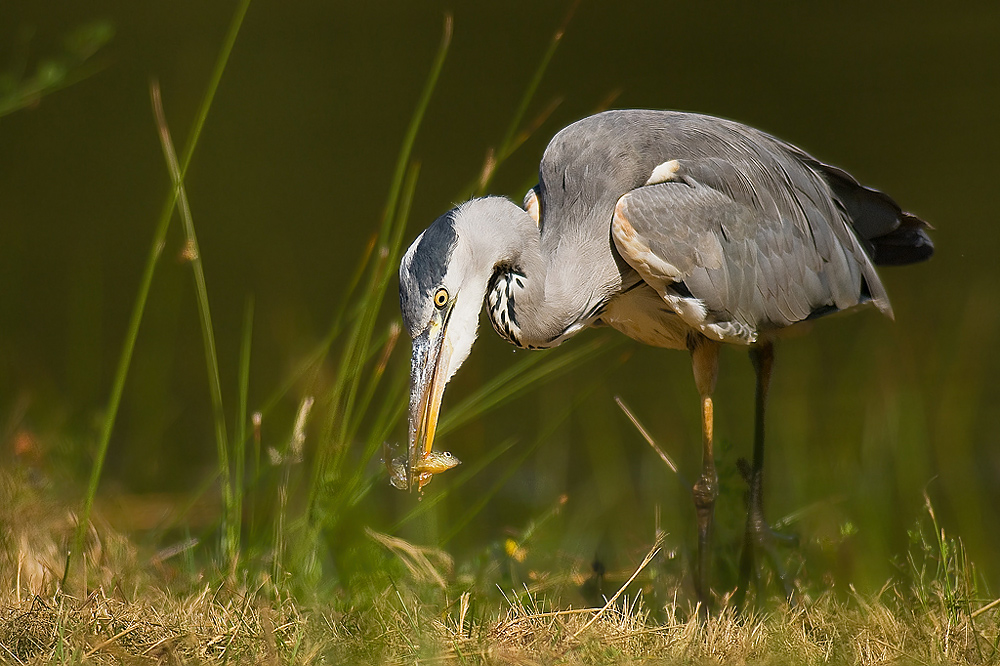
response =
{"points": [[758, 537]]}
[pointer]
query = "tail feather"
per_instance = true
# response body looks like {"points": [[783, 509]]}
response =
{"points": [[891, 237], [906, 244]]}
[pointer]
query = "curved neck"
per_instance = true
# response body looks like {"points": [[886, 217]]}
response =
{"points": [[548, 295]]}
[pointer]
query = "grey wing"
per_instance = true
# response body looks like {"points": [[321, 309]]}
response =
{"points": [[735, 255]]}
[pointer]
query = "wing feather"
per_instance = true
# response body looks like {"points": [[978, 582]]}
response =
{"points": [[755, 254]]}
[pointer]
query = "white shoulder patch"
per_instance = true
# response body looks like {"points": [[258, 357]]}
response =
{"points": [[664, 172]]}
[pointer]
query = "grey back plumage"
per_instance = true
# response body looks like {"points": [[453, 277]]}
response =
{"points": [[759, 232]]}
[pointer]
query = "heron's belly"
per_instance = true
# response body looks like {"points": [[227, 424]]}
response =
{"points": [[642, 315]]}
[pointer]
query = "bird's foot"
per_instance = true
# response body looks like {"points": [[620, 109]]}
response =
{"points": [[759, 541], [704, 491]]}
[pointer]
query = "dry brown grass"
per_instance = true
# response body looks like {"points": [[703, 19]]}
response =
{"points": [[827, 631], [133, 609], [217, 624]]}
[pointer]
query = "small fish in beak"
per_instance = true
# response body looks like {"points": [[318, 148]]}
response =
{"points": [[431, 463]]}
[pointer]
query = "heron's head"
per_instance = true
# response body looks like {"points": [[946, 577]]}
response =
{"points": [[442, 281]]}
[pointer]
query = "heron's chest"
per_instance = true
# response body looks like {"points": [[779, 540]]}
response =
{"points": [[642, 315]]}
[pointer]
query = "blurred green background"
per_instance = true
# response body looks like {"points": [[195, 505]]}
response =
{"points": [[287, 187]]}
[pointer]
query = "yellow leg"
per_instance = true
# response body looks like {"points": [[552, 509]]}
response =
{"points": [[705, 363]]}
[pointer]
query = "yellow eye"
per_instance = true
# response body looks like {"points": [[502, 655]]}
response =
{"points": [[441, 297]]}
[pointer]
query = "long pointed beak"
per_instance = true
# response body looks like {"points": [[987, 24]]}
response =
{"points": [[428, 377]]}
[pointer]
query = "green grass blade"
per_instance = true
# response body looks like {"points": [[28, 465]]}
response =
{"points": [[358, 342], [509, 143], [132, 333], [124, 362], [393, 225], [74, 65], [377, 375], [393, 410], [411, 132], [483, 498], [213, 84], [533, 84], [532, 370], [193, 255], [314, 359], [349, 425]]}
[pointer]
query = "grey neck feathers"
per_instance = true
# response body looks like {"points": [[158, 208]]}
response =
{"points": [[525, 304]]}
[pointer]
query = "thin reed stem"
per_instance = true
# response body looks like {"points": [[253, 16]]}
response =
{"points": [[510, 140], [139, 307], [192, 254]]}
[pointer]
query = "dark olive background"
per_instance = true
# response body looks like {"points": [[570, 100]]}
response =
{"points": [[288, 184]]}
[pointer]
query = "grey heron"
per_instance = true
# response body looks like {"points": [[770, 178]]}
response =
{"points": [[680, 230]]}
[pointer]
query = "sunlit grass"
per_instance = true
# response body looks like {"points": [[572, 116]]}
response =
{"points": [[418, 604]]}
